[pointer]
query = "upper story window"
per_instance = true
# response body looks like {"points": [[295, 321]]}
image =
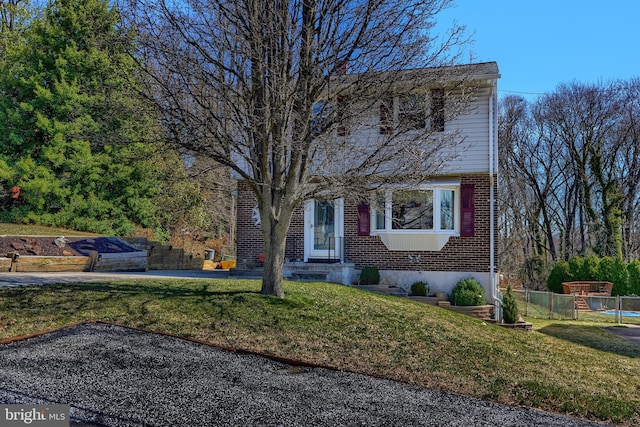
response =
{"points": [[412, 111], [424, 209], [327, 115], [321, 120]]}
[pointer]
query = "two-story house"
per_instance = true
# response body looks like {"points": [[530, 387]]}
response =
{"points": [[440, 231]]}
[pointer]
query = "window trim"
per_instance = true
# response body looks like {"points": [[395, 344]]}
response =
{"points": [[437, 200], [433, 112]]}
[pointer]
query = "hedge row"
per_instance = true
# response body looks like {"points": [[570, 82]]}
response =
{"points": [[625, 277]]}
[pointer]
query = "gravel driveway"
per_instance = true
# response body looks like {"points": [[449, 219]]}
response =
{"points": [[115, 376]]}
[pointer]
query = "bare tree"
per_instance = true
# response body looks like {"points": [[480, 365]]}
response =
{"points": [[262, 87], [627, 164], [574, 155]]}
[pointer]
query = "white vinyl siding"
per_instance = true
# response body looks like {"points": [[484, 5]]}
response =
{"points": [[473, 152], [471, 155]]}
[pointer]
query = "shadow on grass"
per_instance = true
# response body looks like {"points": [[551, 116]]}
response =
{"points": [[158, 289], [142, 303], [595, 337]]}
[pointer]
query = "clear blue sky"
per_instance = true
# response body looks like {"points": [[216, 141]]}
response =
{"points": [[539, 44]]}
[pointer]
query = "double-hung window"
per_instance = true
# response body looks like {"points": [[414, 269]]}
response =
{"points": [[412, 113], [406, 112]]}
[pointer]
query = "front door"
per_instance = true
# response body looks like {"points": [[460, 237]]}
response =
{"points": [[323, 229]]}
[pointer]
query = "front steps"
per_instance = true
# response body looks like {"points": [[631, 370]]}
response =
{"points": [[384, 290], [581, 304]]}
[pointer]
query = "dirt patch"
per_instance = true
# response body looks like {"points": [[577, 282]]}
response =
{"points": [[59, 246]]}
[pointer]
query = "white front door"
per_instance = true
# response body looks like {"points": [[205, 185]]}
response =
{"points": [[323, 231]]}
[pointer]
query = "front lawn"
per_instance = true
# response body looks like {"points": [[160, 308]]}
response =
{"points": [[581, 370]]}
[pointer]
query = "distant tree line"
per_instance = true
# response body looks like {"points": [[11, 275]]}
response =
{"points": [[79, 146], [570, 177]]}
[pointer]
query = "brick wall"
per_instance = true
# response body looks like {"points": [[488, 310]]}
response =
{"points": [[250, 243], [459, 254], [470, 254]]}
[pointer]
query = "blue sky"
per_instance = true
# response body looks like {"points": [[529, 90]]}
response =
{"points": [[539, 44]]}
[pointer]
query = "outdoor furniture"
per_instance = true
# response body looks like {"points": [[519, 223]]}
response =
{"points": [[587, 288]]}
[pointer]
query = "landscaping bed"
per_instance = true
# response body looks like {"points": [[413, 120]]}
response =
{"points": [[38, 253]]}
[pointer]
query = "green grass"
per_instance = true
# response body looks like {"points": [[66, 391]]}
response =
{"points": [[580, 369]]}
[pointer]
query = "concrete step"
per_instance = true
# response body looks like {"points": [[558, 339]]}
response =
{"points": [[311, 275], [384, 290]]}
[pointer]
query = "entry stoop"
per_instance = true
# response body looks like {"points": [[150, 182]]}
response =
{"points": [[310, 275], [320, 272], [383, 290]]}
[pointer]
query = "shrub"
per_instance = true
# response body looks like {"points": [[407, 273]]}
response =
{"points": [[575, 268], [590, 268], [620, 278], [509, 307], [420, 289], [468, 292], [634, 277], [560, 273], [369, 276]]}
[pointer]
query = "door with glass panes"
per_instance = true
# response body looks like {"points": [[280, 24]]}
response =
{"points": [[323, 229]]}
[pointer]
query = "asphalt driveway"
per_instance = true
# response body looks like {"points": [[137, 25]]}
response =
{"points": [[115, 376]]}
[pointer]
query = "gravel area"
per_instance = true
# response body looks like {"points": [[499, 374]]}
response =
{"points": [[115, 376]]}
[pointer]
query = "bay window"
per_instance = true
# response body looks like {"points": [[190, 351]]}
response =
{"points": [[427, 209]]}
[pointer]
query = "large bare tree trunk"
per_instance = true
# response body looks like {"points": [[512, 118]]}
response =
{"points": [[239, 81], [275, 243]]}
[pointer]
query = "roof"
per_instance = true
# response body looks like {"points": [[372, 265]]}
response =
{"points": [[476, 72]]}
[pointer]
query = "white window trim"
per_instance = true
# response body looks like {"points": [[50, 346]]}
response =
{"points": [[427, 99], [436, 212]]}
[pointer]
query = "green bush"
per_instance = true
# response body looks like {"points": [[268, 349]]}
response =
{"points": [[590, 268], [420, 289], [468, 292], [369, 276], [633, 270], [560, 273], [509, 307], [575, 268], [620, 278], [607, 269]]}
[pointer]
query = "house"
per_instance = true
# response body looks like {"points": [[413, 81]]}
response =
{"points": [[439, 231]]}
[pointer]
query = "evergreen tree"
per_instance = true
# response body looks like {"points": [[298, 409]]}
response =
{"points": [[509, 307], [70, 123]]}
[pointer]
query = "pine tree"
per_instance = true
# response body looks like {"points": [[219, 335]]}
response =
{"points": [[70, 123], [509, 307]]}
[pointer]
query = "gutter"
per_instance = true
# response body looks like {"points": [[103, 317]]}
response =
{"points": [[493, 283]]}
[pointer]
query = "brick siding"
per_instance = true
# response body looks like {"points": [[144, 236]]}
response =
{"points": [[468, 254]]}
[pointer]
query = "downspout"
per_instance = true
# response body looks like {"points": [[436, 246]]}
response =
{"points": [[493, 283]]}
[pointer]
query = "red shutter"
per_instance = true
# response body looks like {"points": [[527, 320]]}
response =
{"points": [[364, 220], [467, 210]]}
